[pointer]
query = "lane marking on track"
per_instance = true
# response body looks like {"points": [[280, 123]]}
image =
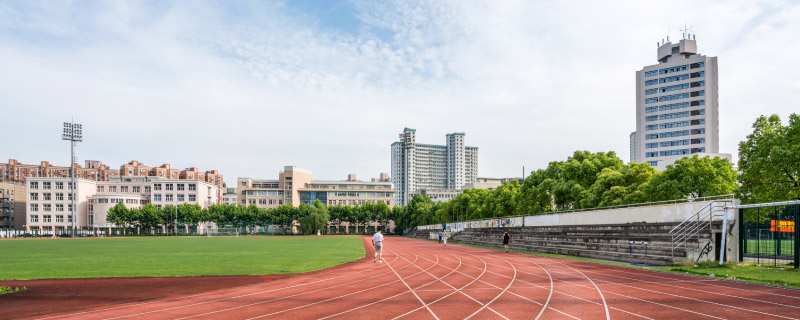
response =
{"points": [[564, 293], [307, 292], [550, 295], [605, 305], [694, 299], [453, 292], [514, 278], [397, 295], [279, 281], [412, 290]]}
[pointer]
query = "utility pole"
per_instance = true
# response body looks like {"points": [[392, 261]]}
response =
{"points": [[73, 132]]}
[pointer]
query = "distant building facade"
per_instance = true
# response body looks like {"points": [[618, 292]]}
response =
{"points": [[96, 171], [417, 166], [12, 205], [677, 106], [295, 186], [49, 200], [229, 196]]}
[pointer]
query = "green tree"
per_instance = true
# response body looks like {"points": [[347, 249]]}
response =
{"points": [[694, 177], [314, 217], [769, 161]]}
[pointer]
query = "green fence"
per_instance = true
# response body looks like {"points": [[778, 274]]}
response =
{"points": [[770, 235]]}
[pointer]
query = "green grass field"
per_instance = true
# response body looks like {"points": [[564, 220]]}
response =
{"points": [[769, 247], [164, 256]]}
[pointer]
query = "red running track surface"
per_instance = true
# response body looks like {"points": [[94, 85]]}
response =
{"points": [[425, 280]]}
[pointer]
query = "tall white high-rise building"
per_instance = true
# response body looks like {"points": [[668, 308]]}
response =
{"points": [[417, 166], [677, 106]]}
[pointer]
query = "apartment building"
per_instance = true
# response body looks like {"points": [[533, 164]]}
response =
{"points": [[12, 205], [677, 106], [229, 196], [49, 208], [96, 171], [295, 186], [417, 166]]}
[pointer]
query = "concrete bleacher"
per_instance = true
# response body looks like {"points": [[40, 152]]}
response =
{"points": [[607, 242]]}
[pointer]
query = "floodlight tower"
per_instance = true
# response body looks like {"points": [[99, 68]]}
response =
{"points": [[74, 133]]}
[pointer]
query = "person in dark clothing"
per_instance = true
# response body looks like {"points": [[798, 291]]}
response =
{"points": [[506, 238]]}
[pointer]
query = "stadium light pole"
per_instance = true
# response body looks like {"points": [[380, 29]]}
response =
{"points": [[74, 133]]}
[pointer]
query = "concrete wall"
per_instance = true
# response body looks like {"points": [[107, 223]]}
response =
{"points": [[664, 213]]}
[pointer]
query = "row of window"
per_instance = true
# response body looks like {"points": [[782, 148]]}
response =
{"points": [[674, 133], [676, 152], [177, 197], [674, 106], [675, 124], [179, 186], [675, 87], [34, 207], [47, 196], [46, 185], [674, 69], [675, 115], [675, 78], [48, 218]]}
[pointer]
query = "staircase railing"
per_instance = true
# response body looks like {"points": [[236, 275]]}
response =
{"points": [[700, 221]]}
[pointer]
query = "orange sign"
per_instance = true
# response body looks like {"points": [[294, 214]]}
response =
{"points": [[781, 226]]}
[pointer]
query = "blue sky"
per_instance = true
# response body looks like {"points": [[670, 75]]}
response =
{"points": [[247, 87]]}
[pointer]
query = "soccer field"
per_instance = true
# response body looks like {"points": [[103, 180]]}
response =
{"points": [[769, 247], [165, 256]]}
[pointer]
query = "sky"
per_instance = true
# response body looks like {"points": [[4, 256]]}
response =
{"points": [[248, 87]]}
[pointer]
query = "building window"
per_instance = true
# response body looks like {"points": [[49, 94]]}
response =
{"points": [[46, 185], [192, 198], [651, 118], [59, 186], [653, 163], [192, 187], [181, 198], [59, 207], [69, 219], [243, 201], [137, 189], [34, 196], [651, 154], [180, 186], [147, 189], [46, 207], [46, 218], [157, 187], [112, 189], [59, 218], [91, 219], [651, 145], [46, 196], [169, 197], [69, 196], [123, 189], [169, 187], [34, 218], [34, 186], [157, 197]]}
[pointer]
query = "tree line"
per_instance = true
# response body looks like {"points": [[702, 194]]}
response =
{"points": [[311, 217]]}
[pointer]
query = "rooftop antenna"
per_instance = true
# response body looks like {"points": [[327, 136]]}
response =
{"points": [[687, 30]]}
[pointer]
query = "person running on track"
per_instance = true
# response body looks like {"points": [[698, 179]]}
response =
{"points": [[506, 238], [377, 242], [444, 238]]}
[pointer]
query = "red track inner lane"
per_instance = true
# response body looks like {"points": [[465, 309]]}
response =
{"points": [[425, 280]]}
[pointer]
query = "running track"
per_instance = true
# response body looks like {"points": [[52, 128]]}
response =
{"points": [[424, 280]]}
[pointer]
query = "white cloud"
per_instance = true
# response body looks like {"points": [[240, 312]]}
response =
{"points": [[251, 87]]}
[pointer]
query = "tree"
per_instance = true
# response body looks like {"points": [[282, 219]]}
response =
{"points": [[314, 217], [769, 161], [119, 215], [694, 177]]}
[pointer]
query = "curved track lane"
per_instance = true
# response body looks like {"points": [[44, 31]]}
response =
{"points": [[425, 280]]}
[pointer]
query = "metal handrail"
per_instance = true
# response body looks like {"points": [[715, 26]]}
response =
{"points": [[692, 226]]}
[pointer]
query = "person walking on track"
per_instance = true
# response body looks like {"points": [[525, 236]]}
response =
{"points": [[440, 237], [377, 242], [506, 238], [444, 238]]}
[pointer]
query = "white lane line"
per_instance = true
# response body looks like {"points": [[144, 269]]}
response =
{"points": [[412, 291], [245, 295], [709, 282], [397, 295], [514, 278], [605, 305], [451, 293], [693, 299], [279, 281], [550, 295], [307, 292]]}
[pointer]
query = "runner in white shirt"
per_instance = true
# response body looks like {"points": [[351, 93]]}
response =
{"points": [[377, 242]]}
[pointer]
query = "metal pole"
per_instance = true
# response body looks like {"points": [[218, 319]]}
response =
{"points": [[724, 233], [72, 190]]}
